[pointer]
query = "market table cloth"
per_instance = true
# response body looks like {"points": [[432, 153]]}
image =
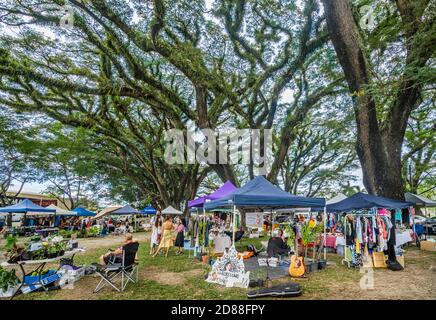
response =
{"points": [[221, 243], [330, 241], [340, 241], [403, 237]]}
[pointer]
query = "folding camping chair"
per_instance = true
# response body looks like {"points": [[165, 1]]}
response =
{"points": [[127, 270]]}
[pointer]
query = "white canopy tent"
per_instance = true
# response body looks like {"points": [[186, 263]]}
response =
{"points": [[62, 212], [107, 211], [40, 214], [171, 210]]}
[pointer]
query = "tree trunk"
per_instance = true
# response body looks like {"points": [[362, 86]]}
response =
{"points": [[379, 152]]}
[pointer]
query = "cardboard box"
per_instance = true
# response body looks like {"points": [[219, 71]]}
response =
{"points": [[379, 260], [428, 245], [400, 260]]}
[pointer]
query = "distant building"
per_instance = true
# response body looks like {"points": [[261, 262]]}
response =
{"points": [[42, 200]]}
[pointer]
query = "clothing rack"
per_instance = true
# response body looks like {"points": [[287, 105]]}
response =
{"points": [[358, 214]]}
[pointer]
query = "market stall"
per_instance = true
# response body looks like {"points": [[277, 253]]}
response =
{"points": [[171, 211], [367, 223], [28, 208], [258, 193], [224, 190], [82, 212], [60, 214], [106, 211], [127, 210], [148, 210]]}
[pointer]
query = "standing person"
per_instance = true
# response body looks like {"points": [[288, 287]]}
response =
{"points": [[167, 237], [180, 239], [84, 222], [156, 232]]}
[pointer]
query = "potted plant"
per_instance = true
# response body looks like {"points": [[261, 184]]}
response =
{"points": [[261, 278], [308, 236], [39, 254], [8, 282], [13, 251]]}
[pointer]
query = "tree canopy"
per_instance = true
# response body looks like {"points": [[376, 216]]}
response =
{"points": [[121, 73]]}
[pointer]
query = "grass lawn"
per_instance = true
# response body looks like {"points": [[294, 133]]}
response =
{"points": [[182, 277]]}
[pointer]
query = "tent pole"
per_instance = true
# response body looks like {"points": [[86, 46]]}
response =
{"points": [[413, 226], [204, 230], [234, 225], [325, 233]]}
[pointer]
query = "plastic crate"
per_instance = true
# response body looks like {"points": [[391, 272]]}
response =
{"points": [[29, 280], [47, 280]]}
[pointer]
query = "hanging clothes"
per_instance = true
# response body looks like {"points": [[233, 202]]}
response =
{"points": [[398, 215], [350, 232], [359, 229]]}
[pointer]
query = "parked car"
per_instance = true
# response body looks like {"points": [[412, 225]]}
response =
{"points": [[430, 226], [419, 219]]}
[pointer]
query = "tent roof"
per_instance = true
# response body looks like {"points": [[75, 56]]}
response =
{"points": [[225, 189], [419, 200], [127, 209], [25, 206], [62, 212], [107, 211], [148, 210], [259, 192], [82, 212], [366, 201], [171, 210], [335, 199]]}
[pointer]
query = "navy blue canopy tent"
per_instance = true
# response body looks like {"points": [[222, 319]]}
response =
{"points": [[148, 210], [366, 201], [125, 210], [25, 206], [82, 212], [259, 192]]}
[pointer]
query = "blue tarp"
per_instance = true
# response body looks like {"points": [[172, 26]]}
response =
{"points": [[25, 206], [148, 210], [259, 192], [82, 212], [366, 201], [125, 210]]}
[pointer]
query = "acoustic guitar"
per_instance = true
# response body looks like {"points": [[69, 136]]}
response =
{"points": [[297, 268]]}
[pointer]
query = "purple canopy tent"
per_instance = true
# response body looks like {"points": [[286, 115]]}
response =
{"points": [[224, 190]]}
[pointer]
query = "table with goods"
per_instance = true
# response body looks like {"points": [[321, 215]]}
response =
{"points": [[36, 253]]}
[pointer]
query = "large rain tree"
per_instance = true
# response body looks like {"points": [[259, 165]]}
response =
{"points": [[387, 55], [125, 67]]}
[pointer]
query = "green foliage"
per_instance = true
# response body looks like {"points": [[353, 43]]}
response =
{"points": [[10, 243], [8, 279]]}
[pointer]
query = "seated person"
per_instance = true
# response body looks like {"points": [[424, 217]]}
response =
{"points": [[238, 234], [116, 256], [277, 245]]}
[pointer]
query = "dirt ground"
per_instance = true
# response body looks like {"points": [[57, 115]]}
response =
{"points": [[111, 240]]}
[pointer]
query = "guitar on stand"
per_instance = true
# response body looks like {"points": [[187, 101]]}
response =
{"points": [[296, 268]]}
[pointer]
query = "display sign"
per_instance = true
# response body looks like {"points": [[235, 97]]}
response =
{"points": [[229, 271], [254, 219]]}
